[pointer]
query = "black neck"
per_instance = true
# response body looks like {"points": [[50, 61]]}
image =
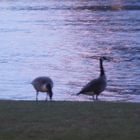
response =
{"points": [[49, 90], [51, 94], [101, 68]]}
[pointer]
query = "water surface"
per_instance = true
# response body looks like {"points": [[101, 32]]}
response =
{"points": [[64, 40]]}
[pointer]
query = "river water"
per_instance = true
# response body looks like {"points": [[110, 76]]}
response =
{"points": [[64, 40]]}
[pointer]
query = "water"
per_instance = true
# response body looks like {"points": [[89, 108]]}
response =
{"points": [[63, 40]]}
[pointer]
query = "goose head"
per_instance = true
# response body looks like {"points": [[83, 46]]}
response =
{"points": [[104, 58]]}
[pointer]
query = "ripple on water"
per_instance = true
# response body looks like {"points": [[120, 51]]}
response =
{"points": [[64, 40]]}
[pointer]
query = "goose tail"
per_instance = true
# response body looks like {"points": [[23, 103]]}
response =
{"points": [[79, 93]]}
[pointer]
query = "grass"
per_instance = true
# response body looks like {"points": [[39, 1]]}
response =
{"points": [[28, 120]]}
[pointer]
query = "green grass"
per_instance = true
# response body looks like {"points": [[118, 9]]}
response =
{"points": [[28, 120]]}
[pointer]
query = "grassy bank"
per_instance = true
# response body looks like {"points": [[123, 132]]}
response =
{"points": [[20, 120]]}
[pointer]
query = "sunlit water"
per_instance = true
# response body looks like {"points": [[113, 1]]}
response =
{"points": [[63, 40]]}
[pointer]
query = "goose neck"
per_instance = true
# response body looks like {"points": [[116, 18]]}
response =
{"points": [[102, 72]]}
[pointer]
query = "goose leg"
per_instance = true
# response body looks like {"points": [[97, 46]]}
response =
{"points": [[96, 97], [46, 96], [37, 95], [93, 97]]}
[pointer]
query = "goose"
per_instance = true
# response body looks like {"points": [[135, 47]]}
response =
{"points": [[96, 86], [43, 84]]}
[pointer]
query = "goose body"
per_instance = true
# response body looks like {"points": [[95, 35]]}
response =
{"points": [[96, 86], [43, 84]]}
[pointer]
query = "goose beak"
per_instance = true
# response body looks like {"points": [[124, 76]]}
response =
{"points": [[108, 59]]}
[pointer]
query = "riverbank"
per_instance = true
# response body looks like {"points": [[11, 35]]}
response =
{"points": [[59, 120]]}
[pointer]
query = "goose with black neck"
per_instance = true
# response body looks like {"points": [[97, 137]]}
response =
{"points": [[96, 86]]}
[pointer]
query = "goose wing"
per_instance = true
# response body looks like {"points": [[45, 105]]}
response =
{"points": [[39, 81], [96, 86]]}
